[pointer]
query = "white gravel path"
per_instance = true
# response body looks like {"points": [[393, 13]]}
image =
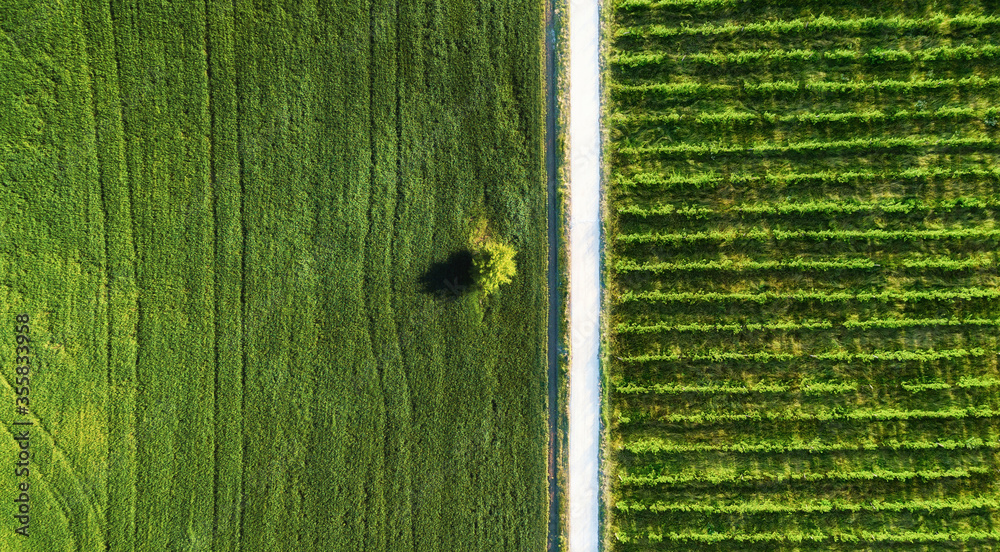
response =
{"points": [[585, 275]]}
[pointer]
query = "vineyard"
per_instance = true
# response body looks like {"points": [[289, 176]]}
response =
{"points": [[803, 276]]}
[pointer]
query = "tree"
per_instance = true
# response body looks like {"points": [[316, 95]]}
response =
{"points": [[494, 265]]}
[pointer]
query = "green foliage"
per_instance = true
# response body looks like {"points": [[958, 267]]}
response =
{"points": [[817, 24], [812, 506], [815, 446], [802, 275], [818, 235], [887, 296], [716, 388], [630, 265], [808, 146], [494, 265], [811, 207], [217, 215], [747, 57], [729, 328], [655, 94], [748, 477], [643, 181]]}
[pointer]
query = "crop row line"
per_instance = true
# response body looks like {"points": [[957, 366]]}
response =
{"points": [[921, 355], [726, 388], [821, 23], [626, 328], [805, 387], [820, 415], [628, 5], [892, 323], [628, 265], [711, 180], [810, 506], [811, 207], [737, 328], [730, 116], [734, 476], [895, 536], [808, 146], [875, 56], [759, 234], [694, 89], [822, 296], [816, 446]]}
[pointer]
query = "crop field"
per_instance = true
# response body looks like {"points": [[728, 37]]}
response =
{"points": [[803, 275], [239, 232]]}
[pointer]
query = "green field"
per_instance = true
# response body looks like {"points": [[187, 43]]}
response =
{"points": [[230, 225], [803, 275]]}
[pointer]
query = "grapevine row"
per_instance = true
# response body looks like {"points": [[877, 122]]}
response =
{"points": [[779, 477], [626, 328], [810, 506], [822, 415], [895, 536], [873, 323], [808, 146], [710, 180], [889, 85], [623, 266], [816, 446], [948, 264], [893, 323], [758, 234], [730, 116], [823, 297], [808, 388], [694, 89], [812, 207], [878, 55], [629, 5], [717, 388], [965, 382], [818, 24], [920, 355]]}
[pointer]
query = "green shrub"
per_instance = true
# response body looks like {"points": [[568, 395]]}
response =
{"points": [[494, 265]]}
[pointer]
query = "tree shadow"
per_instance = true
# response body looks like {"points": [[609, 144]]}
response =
{"points": [[451, 278]]}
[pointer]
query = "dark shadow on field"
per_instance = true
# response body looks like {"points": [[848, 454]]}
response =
{"points": [[451, 278]]}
